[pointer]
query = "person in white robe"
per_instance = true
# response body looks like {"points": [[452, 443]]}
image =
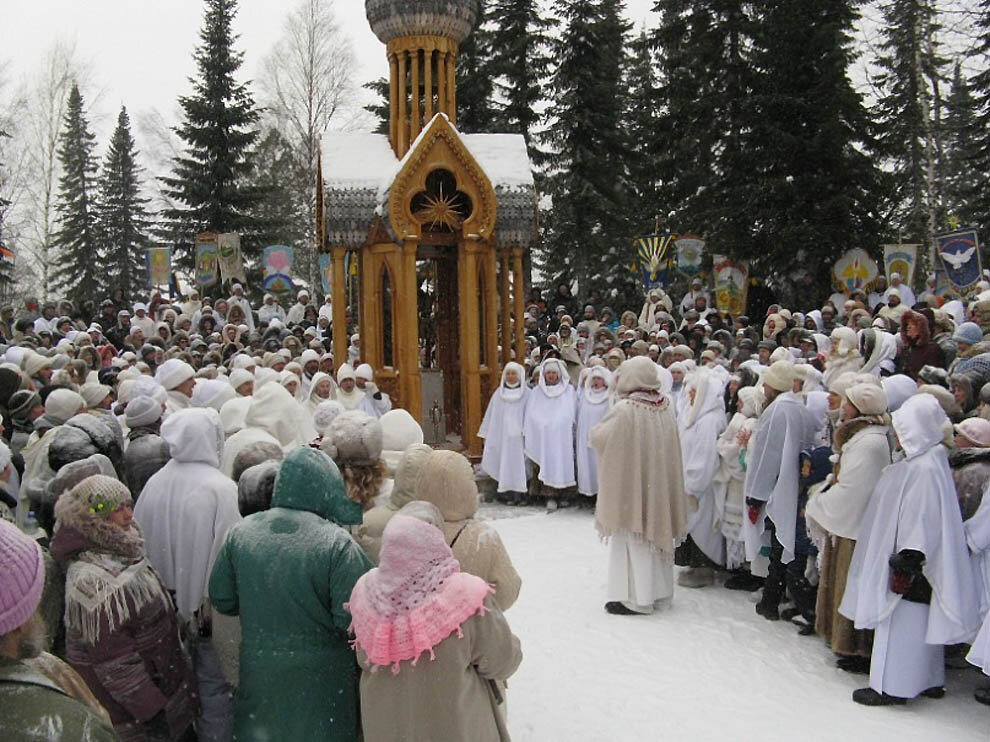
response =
{"points": [[911, 578], [238, 299], [271, 417], [298, 310], [348, 393], [178, 378], [304, 418], [548, 429], [593, 401], [699, 427], [905, 291], [270, 309], [322, 387], [354, 349], [879, 348], [729, 500], [844, 355], [503, 458], [977, 531], [185, 511], [375, 403], [771, 487], [677, 372], [641, 509]]}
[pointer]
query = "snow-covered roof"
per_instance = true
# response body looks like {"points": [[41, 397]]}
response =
{"points": [[359, 169]]}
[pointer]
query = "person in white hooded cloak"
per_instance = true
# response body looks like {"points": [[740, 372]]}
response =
{"points": [[699, 426], [271, 417], [185, 511], [348, 394], [375, 403], [911, 578], [977, 531], [503, 458], [548, 429], [593, 403]]}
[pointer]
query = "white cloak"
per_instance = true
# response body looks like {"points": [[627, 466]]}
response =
{"points": [[592, 406], [503, 458], [548, 429]]}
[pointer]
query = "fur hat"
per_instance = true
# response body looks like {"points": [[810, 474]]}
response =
{"points": [[174, 372], [354, 438], [22, 577], [252, 455], [325, 413], [255, 487], [94, 394], [779, 376], [62, 404], [81, 437], [142, 411]]}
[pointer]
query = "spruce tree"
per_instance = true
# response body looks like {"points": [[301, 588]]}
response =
{"points": [[381, 108], [475, 79], [123, 216], [521, 61], [905, 116], [77, 239], [642, 120], [978, 196], [959, 134], [211, 178], [587, 239], [813, 189]]}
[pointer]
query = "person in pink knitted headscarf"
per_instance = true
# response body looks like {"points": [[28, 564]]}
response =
{"points": [[419, 602]]}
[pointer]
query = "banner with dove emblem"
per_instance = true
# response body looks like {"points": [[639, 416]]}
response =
{"points": [[959, 253]]}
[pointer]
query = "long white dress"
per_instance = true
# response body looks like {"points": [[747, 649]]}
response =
{"points": [[729, 500], [503, 458], [591, 408], [548, 428], [700, 425]]}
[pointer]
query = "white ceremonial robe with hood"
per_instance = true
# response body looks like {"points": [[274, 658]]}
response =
{"points": [[785, 429], [271, 418], [503, 457], [914, 507], [548, 427], [592, 404], [700, 426], [730, 507]]}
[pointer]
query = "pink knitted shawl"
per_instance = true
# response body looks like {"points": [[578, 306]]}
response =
{"points": [[415, 598]]}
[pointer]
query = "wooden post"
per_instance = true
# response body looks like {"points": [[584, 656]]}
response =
{"points": [[339, 307], [507, 335], [467, 287], [416, 121], [452, 88], [403, 124], [428, 85], [407, 333], [442, 82], [393, 101], [518, 290]]}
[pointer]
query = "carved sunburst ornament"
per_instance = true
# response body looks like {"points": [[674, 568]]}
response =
{"points": [[441, 210]]}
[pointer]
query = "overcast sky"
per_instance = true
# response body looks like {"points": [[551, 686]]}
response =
{"points": [[140, 51]]}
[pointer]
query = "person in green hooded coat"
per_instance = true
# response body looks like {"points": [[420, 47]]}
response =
{"points": [[287, 573]]}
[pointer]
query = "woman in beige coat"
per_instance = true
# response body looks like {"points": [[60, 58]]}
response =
{"points": [[447, 480]]}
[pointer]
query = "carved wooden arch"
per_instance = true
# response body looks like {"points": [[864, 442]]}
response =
{"points": [[440, 147]]}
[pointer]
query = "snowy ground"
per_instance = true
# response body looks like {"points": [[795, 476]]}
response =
{"points": [[708, 668]]}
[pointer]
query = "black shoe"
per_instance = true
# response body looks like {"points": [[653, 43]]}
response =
{"points": [[804, 628], [744, 581], [854, 664], [618, 609], [982, 695], [937, 692], [788, 613], [769, 611], [869, 697]]}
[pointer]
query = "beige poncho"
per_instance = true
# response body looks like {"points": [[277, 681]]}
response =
{"points": [[641, 483]]}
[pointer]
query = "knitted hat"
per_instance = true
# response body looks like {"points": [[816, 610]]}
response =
{"points": [[34, 362], [173, 372], [148, 387], [364, 371], [143, 411], [324, 415], [354, 438], [63, 404], [976, 430], [22, 402], [94, 394], [869, 399], [102, 494], [239, 377], [346, 371], [22, 577], [447, 480], [969, 333], [779, 376], [416, 598], [308, 356]]}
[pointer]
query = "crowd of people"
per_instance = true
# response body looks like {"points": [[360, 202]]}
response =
{"points": [[212, 529]]}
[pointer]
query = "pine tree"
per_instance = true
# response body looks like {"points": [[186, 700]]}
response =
{"points": [[812, 189], [521, 60], [587, 237], [123, 217], [219, 129], [906, 138], [380, 109], [475, 79], [77, 239], [642, 120], [960, 133], [978, 196]]}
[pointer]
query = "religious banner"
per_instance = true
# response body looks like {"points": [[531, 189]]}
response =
{"points": [[159, 263], [690, 251], [655, 258], [326, 271], [276, 262], [959, 253], [207, 260], [231, 262], [731, 284], [901, 259], [855, 270]]}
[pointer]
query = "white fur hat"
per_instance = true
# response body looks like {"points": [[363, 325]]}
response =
{"points": [[353, 438], [346, 371], [174, 372], [365, 371]]}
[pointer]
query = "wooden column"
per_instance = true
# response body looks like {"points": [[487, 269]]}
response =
{"points": [[441, 81], [507, 336], [407, 333], [518, 291], [393, 100], [339, 307], [403, 123], [427, 85], [416, 120], [467, 287], [452, 88]]}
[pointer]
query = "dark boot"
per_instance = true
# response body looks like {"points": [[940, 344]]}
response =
{"points": [[743, 580], [982, 695], [869, 697], [854, 664], [618, 609]]}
